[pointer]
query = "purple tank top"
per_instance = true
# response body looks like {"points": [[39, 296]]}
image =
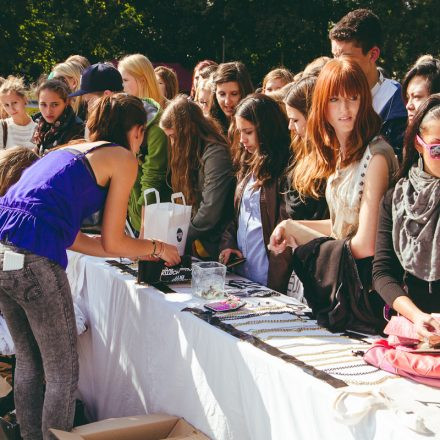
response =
{"points": [[44, 210]]}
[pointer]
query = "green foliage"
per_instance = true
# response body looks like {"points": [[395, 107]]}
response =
{"points": [[261, 33]]}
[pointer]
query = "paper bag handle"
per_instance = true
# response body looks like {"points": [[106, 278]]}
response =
{"points": [[178, 195], [149, 191]]}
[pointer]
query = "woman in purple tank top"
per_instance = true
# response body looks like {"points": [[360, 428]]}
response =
{"points": [[40, 217]]}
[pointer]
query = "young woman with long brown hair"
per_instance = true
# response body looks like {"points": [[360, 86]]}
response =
{"points": [[261, 155], [201, 168], [231, 83], [345, 150], [298, 102], [40, 217]]}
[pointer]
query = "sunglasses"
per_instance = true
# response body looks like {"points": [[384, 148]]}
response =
{"points": [[433, 149]]}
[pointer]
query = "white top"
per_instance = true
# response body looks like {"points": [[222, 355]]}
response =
{"points": [[382, 92], [18, 135], [345, 188], [250, 236]]}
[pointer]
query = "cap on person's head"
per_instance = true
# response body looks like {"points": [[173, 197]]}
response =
{"points": [[98, 78]]}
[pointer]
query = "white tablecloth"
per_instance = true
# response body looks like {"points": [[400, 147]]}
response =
{"points": [[141, 355]]}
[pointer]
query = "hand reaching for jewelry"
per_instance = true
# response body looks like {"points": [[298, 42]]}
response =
{"points": [[225, 255], [426, 325], [279, 240]]}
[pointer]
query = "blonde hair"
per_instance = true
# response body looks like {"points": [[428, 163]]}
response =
{"points": [[140, 67], [279, 73], [205, 84], [13, 84], [73, 70], [78, 59]]}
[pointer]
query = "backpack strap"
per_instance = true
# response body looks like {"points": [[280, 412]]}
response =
{"points": [[5, 133]]}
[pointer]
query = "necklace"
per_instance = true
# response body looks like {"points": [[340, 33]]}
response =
{"points": [[341, 361], [301, 336], [333, 351], [228, 317], [337, 370], [371, 382], [286, 329], [268, 321]]}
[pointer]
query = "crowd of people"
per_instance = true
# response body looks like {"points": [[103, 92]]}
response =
{"points": [[329, 176]]}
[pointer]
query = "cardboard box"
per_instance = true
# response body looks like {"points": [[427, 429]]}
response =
{"points": [[146, 427]]}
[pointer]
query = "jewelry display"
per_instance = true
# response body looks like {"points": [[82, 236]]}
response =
{"points": [[333, 351], [337, 370], [269, 321], [371, 382], [341, 361], [286, 329], [252, 315]]}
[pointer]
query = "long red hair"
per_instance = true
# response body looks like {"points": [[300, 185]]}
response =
{"points": [[343, 77]]}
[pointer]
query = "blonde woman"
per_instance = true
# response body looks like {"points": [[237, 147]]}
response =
{"points": [[204, 95], [71, 72], [276, 79], [139, 78], [17, 128]]}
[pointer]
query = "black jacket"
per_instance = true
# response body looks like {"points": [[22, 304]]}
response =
{"points": [[338, 287]]}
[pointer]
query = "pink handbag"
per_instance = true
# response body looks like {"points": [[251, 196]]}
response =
{"points": [[397, 355]]}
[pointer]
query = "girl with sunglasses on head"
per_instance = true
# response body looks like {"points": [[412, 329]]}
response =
{"points": [[406, 269], [261, 155], [40, 218]]}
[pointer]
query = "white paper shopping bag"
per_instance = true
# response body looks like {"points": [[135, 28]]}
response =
{"points": [[168, 222]]}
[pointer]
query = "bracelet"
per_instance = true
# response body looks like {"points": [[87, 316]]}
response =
{"points": [[154, 254]]}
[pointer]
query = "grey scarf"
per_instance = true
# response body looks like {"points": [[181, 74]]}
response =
{"points": [[416, 226]]}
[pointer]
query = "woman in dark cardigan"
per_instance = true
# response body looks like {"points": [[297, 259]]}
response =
{"points": [[406, 269]]}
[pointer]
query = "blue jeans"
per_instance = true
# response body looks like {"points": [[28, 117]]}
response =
{"points": [[37, 305]]}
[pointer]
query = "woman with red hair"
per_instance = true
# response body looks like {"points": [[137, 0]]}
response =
{"points": [[358, 165]]}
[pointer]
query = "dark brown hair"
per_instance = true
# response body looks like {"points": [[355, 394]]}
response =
{"points": [[430, 109], [361, 26], [428, 69], [57, 86], [112, 117], [300, 94], [13, 162], [272, 156], [227, 72]]}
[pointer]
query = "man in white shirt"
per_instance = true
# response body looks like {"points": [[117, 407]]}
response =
{"points": [[359, 36]]}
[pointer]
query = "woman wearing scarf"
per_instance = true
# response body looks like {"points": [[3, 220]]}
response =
{"points": [[406, 269], [57, 123]]}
